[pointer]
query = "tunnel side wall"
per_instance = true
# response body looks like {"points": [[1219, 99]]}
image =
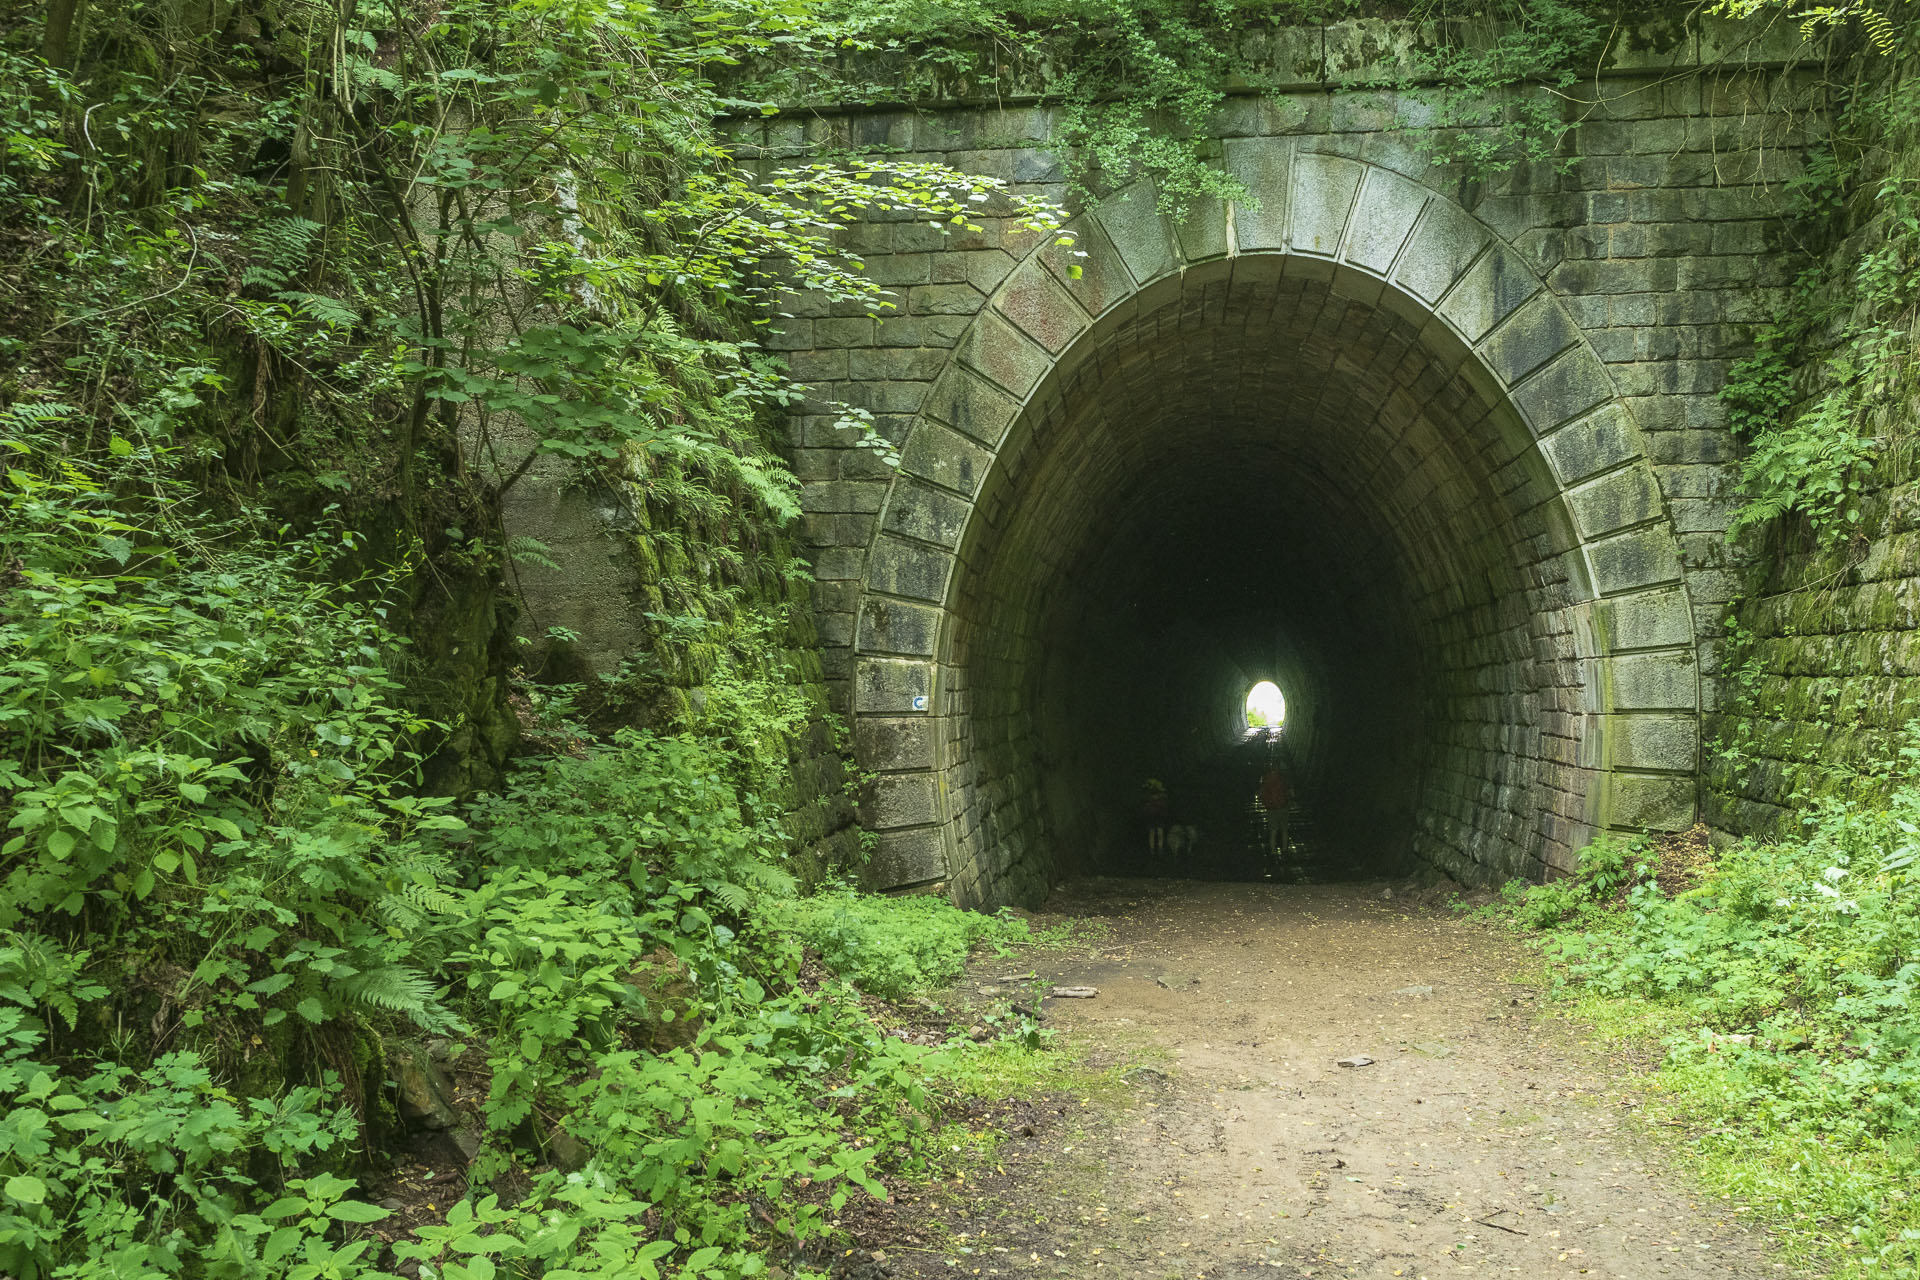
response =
{"points": [[1652, 251]]}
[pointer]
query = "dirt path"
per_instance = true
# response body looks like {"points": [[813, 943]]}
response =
{"points": [[1481, 1140]]}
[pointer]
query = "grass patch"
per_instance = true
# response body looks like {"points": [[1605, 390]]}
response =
{"points": [[1774, 988]]}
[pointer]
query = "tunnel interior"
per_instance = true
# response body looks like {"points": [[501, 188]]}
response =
{"points": [[1271, 477]]}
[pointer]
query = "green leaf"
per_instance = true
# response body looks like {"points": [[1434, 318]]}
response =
{"points": [[312, 1010], [26, 1189], [356, 1211]]}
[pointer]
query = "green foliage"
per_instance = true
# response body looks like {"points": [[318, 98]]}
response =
{"points": [[1140, 83], [1792, 995], [1607, 867], [892, 946], [1874, 21], [291, 302], [1491, 88], [1814, 397]]}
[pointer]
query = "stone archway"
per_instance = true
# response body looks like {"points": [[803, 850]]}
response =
{"points": [[1355, 389]]}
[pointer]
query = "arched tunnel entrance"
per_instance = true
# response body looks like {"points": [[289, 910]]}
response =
{"points": [[1272, 467], [1285, 480]]}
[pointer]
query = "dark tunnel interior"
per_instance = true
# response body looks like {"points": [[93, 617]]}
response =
{"points": [[1185, 614], [1263, 479]]}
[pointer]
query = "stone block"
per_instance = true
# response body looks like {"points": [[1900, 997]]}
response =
{"points": [[908, 569], [1592, 444], [943, 300], [904, 859], [1444, 245], [856, 496], [895, 364], [888, 686], [1139, 234], [903, 800], [1643, 802], [969, 403], [1665, 681], [1384, 216], [1041, 307], [1669, 744], [1563, 391], [1103, 279], [1490, 291], [893, 626], [884, 743], [1261, 165], [1633, 560], [1527, 339], [1647, 620], [1320, 198], [1003, 355], [1202, 233], [930, 515], [1616, 501]]}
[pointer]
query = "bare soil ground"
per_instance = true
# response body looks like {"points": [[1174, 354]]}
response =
{"points": [[1483, 1138]]}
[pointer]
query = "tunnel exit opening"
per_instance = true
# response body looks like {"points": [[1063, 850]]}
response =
{"points": [[1265, 707]]}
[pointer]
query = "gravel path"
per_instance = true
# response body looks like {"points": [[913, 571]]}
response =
{"points": [[1481, 1139]]}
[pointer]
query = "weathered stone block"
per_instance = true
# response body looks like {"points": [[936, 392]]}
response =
{"points": [[1670, 744], [1641, 802], [1632, 560], [930, 515], [1261, 165], [860, 496], [893, 626], [889, 686], [1320, 195], [1490, 291], [1598, 442], [909, 569], [1004, 355], [943, 300], [907, 858], [1527, 339], [969, 403], [1651, 681], [1202, 234], [1444, 244], [1650, 619], [1383, 218], [884, 364], [1573, 384], [903, 800], [1139, 234], [883, 744], [1616, 501], [1044, 310]]}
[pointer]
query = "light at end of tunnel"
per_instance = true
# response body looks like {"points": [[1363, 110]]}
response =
{"points": [[1266, 706]]}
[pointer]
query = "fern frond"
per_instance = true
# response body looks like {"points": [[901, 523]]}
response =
{"points": [[396, 988]]}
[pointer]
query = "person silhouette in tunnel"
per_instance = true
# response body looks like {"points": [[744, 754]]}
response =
{"points": [[1154, 807], [1276, 797]]}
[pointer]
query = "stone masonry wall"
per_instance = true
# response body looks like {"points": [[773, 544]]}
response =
{"points": [[1653, 245]]}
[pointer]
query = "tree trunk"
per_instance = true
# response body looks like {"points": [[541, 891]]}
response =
{"points": [[62, 17]]}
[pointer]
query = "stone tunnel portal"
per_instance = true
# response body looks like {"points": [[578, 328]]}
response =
{"points": [[1405, 492]]}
